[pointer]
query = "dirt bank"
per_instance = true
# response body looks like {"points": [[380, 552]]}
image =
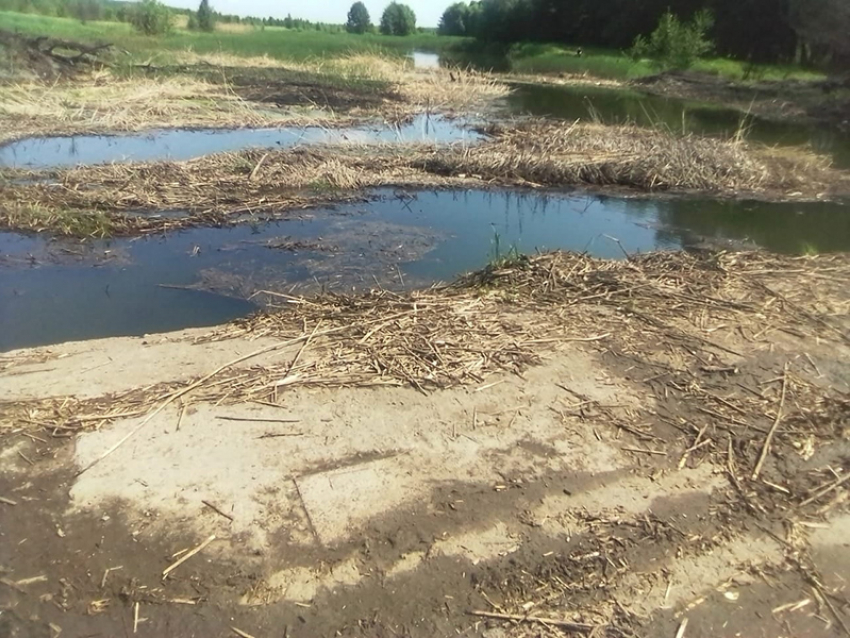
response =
{"points": [[617, 447], [822, 102]]}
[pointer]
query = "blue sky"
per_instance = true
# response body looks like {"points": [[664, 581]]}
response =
{"points": [[427, 12]]}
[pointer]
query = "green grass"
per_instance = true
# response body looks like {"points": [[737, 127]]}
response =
{"points": [[552, 59], [610, 64], [276, 42]]}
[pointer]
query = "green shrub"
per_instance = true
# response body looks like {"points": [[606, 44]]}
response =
{"points": [[675, 44], [151, 18]]}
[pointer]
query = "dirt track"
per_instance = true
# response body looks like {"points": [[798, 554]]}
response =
{"points": [[578, 491]]}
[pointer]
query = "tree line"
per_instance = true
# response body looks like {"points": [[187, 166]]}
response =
{"points": [[754, 30], [397, 19]]}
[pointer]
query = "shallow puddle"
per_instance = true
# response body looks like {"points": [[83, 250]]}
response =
{"points": [[617, 106], [64, 290], [182, 144]]}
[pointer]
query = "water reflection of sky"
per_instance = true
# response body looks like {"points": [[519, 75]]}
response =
{"points": [[181, 144], [425, 60]]}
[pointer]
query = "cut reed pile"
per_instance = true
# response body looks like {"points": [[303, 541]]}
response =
{"points": [[696, 334], [553, 154]]}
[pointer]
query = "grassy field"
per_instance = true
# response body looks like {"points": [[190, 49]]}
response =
{"points": [[275, 42], [606, 63], [284, 44]]}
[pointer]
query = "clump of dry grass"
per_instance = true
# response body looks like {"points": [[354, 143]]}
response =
{"points": [[223, 59], [58, 220]]}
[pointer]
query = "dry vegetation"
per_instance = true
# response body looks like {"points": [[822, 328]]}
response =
{"points": [[696, 332], [105, 104], [225, 188], [201, 95], [428, 89], [552, 154]]}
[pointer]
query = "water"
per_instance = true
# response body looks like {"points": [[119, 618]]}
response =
{"points": [[57, 291], [617, 106], [183, 144], [425, 60]]}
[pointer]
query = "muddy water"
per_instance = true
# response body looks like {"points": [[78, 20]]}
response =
{"points": [[617, 106], [182, 144], [58, 291]]}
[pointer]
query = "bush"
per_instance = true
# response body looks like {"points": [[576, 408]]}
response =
{"points": [[398, 19], [151, 18], [675, 44]]}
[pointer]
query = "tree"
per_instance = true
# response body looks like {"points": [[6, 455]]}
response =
{"points": [[824, 27], [151, 18], [675, 44], [358, 19], [455, 20], [206, 17], [398, 19]]}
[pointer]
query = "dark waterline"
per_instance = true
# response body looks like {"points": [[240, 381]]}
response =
{"points": [[182, 144], [618, 106], [48, 298]]}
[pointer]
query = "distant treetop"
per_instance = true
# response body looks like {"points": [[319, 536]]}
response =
{"points": [[398, 19], [358, 19]]}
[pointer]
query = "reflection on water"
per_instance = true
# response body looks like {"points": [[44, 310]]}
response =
{"points": [[617, 106], [182, 144], [400, 240]]}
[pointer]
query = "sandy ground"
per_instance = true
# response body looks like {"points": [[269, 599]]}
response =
{"points": [[385, 511]]}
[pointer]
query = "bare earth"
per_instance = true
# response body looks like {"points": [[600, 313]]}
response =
{"points": [[558, 492]]}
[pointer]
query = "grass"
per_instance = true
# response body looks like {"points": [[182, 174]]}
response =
{"points": [[611, 64], [273, 42]]}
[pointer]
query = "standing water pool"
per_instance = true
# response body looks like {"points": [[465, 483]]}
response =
{"points": [[54, 291]]}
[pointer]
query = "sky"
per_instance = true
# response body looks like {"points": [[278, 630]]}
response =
{"points": [[427, 12]]}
